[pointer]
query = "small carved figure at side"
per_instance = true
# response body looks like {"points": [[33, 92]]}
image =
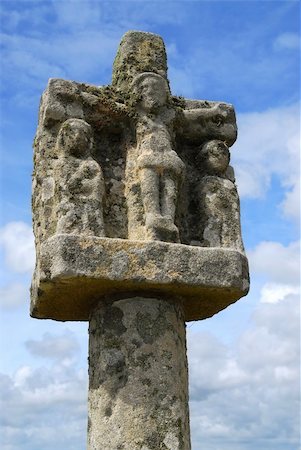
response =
{"points": [[219, 201], [160, 170], [79, 181]]}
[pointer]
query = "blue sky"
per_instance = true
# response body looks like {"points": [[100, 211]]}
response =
{"points": [[244, 362]]}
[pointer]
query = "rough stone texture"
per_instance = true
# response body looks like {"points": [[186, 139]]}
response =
{"points": [[118, 127], [220, 221], [131, 139], [138, 393], [78, 182], [137, 228], [138, 173], [138, 52], [75, 272], [154, 163]]}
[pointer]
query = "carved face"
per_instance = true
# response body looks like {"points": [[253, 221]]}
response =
{"points": [[153, 92], [215, 156], [75, 138]]}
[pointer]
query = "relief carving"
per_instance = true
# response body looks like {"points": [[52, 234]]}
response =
{"points": [[159, 168], [135, 162], [79, 181], [219, 201]]}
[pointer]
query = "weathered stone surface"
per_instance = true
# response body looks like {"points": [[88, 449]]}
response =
{"points": [[137, 229], [138, 393], [78, 181], [134, 164], [75, 272], [220, 221], [154, 163], [146, 146], [138, 52], [204, 121]]}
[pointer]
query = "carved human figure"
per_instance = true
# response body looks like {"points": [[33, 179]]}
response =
{"points": [[79, 181], [219, 201], [160, 169]]}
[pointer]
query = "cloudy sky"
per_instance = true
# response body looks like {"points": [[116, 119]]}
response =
{"points": [[244, 362]]}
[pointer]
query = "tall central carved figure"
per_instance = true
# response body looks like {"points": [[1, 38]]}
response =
{"points": [[137, 227], [154, 161]]}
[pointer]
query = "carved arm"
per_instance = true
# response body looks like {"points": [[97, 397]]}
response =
{"points": [[202, 121]]}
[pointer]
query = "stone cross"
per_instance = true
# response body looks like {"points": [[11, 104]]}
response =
{"points": [[137, 228]]}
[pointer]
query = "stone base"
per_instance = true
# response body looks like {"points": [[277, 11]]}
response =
{"points": [[75, 272]]}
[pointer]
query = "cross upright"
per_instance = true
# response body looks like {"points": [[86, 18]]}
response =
{"points": [[137, 230]]}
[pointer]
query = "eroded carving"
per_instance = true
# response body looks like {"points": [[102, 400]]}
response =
{"points": [[131, 171], [121, 172], [220, 209], [79, 182], [158, 167], [144, 166]]}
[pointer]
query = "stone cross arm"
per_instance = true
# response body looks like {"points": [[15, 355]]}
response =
{"points": [[105, 106]]}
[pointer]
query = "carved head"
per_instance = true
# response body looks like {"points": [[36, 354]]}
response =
{"points": [[75, 138], [151, 89], [214, 157]]}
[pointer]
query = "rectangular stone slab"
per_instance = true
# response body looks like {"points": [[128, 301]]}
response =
{"points": [[76, 271]]}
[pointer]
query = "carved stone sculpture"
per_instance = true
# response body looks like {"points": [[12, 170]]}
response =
{"points": [[154, 160], [79, 181], [219, 201], [136, 221]]}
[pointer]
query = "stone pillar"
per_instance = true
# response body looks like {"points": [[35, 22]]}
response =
{"points": [[138, 386]]}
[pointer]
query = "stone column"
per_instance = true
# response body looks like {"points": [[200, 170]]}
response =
{"points": [[138, 378]]}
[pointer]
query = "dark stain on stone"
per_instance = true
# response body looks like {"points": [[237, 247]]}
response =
{"points": [[108, 411], [149, 329], [180, 428], [113, 321], [154, 441], [146, 381], [167, 354], [143, 361], [173, 399], [136, 343]]}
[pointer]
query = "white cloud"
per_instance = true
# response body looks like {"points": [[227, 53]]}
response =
{"points": [[275, 292], [287, 41], [241, 397], [13, 19], [67, 55], [44, 409], [280, 263], [16, 238], [55, 347], [247, 396], [13, 295], [291, 202], [268, 145]]}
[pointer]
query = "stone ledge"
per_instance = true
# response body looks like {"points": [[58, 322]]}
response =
{"points": [[76, 271]]}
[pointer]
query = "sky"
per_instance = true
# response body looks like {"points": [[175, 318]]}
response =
{"points": [[244, 363]]}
